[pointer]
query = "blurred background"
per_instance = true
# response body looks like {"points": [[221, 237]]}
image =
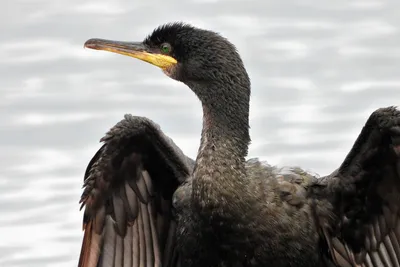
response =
{"points": [[318, 69]]}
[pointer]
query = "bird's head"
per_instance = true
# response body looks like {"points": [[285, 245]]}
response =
{"points": [[196, 57]]}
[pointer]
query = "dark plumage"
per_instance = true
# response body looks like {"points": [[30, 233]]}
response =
{"points": [[147, 204]]}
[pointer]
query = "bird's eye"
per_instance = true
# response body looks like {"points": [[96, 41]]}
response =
{"points": [[165, 48]]}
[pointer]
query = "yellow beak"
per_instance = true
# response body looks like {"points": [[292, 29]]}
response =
{"points": [[132, 49]]}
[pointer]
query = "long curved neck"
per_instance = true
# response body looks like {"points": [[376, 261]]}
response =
{"points": [[219, 174], [225, 129]]}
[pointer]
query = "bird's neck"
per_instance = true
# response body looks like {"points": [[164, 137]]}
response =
{"points": [[225, 130], [219, 174]]}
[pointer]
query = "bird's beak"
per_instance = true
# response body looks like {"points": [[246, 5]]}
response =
{"points": [[133, 49]]}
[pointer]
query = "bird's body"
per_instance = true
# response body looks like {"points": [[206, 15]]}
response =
{"points": [[263, 232], [147, 204]]}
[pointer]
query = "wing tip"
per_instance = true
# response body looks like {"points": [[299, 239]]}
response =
{"points": [[86, 258]]}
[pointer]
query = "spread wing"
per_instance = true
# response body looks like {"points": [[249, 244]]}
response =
{"points": [[128, 187], [364, 229]]}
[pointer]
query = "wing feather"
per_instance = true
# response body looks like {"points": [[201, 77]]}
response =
{"points": [[128, 188], [365, 193]]}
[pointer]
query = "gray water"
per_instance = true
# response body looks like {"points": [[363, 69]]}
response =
{"points": [[318, 69]]}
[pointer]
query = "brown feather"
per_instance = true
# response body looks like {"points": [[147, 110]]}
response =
{"points": [[128, 247], [135, 244], [142, 240], [147, 235], [120, 215], [132, 202], [391, 252], [156, 247], [119, 250], [108, 253]]}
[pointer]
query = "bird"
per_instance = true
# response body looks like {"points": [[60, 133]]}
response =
{"points": [[148, 204]]}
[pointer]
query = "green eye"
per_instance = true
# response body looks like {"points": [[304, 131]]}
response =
{"points": [[165, 48]]}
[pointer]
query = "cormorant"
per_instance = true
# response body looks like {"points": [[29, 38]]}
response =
{"points": [[147, 204]]}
